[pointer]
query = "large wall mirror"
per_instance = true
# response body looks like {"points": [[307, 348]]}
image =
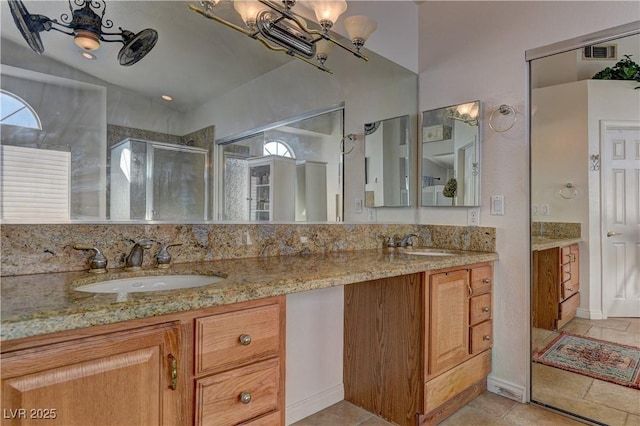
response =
{"points": [[124, 154], [585, 135], [388, 175], [450, 156]]}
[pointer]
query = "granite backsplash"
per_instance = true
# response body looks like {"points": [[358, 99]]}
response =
{"points": [[32, 249]]}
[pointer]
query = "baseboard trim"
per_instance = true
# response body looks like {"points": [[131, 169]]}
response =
{"points": [[301, 409], [592, 315], [506, 389]]}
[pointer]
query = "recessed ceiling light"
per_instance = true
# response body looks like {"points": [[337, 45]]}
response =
{"points": [[88, 55], [167, 98]]}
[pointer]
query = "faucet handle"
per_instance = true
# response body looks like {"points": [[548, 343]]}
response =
{"points": [[390, 241], [97, 262], [163, 258]]}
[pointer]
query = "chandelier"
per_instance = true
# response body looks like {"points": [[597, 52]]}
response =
{"points": [[85, 23], [280, 29]]}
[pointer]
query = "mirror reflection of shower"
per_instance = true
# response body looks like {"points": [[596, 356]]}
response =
{"points": [[158, 181]]}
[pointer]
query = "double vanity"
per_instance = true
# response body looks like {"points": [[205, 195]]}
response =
{"points": [[417, 335]]}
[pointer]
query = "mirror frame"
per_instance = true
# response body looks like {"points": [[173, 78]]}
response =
{"points": [[478, 156], [630, 29]]}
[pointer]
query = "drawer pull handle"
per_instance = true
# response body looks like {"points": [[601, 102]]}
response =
{"points": [[174, 372], [487, 280], [245, 397], [486, 337], [569, 289], [486, 309], [245, 339]]}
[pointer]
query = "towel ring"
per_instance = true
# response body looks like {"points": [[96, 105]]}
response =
{"points": [[568, 191], [351, 137], [504, 110]]}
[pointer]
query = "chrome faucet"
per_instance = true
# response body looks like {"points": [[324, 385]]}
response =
{"points": [[97, 262], [163, 258], [406, 240], [134, 260]]}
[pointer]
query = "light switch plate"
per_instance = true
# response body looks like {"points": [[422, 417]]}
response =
{"points": [[372, 214], [357, 206], [544, 210], [497, 205]]}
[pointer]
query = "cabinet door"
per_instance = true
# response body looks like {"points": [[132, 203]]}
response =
{"points": [[448, 319], [114, 379]]}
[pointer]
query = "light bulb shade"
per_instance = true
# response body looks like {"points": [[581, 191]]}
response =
{"points": [[328, 11], [248, 10], [86, 40], [359, 27], [323, 47]]}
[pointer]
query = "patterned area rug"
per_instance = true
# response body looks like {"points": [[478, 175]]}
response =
{"points": [[595, 358]]}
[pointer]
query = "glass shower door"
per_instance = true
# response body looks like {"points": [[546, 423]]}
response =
{"points": [[177, 182]]}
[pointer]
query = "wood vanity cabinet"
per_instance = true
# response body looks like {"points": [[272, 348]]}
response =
{"points": [[417, 347], [556, 286], [117, 378], [216, 366]]}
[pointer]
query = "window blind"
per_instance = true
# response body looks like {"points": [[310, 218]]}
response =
{"points": [[35, 184]]}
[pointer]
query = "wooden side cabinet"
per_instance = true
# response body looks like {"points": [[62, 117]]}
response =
{"points": [[556, 286], [417, 347], [117, 378]]}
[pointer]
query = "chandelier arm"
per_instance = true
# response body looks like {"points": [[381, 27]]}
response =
{"points": [[213, 17], [291, 53], [347, 48], [55, 28]]}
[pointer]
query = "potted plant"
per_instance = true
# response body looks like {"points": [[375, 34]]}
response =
{"points": [[625, 69]]}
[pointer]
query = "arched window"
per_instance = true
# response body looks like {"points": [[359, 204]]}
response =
{"points": [[278, 148], [17, 112]]}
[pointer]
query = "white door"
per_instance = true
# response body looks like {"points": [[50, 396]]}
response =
{"points": [[621, 218]]}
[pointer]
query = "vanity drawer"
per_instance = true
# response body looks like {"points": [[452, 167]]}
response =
{"points": [[236, 338], [271, 419], [569, 288], [219, 398], [569, 306], [481, 337], [479, 308], [481, 279]]}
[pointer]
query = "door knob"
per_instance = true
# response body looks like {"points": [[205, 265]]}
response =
{"points": [[611, 234]]}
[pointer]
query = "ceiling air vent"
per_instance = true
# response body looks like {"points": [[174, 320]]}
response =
{"points": [[601, 51]]}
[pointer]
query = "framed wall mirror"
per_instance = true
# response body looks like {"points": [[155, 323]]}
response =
{"points": [[450, 156], [388, 162], [584, 193]]}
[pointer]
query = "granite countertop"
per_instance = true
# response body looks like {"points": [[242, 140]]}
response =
{"points": [[45, 303], [544, 243]]}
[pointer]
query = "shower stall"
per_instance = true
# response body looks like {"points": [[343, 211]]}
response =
{"points": [[158, 181]]}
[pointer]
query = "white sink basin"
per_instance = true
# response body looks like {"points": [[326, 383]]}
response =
{"points": [[429, 252], [157, 283]]}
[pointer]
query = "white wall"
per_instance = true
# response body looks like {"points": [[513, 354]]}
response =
{"points": [[475, 50]]}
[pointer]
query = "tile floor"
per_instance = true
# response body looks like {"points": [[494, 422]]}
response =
{"points": [[605, 402], [486, 410]]}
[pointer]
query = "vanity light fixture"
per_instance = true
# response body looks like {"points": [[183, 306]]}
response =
{"points": [[467, 113], [85, 23], [280, 29]]}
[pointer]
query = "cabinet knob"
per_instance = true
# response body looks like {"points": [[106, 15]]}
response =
{"points": [[486, 309], [487, 280], [486, 337], [245, 397], [245, 339]]}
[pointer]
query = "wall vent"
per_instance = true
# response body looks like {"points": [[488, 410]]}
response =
{"points": [[601, 52]]}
